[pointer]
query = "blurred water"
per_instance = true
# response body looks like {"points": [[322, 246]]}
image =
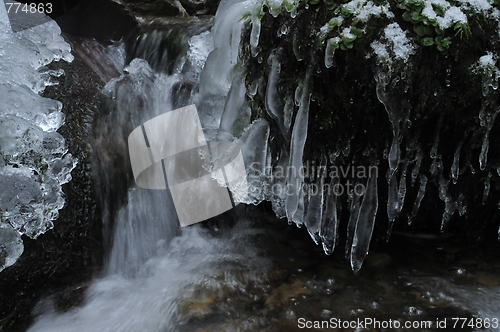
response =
{"points": [[153, 266]]}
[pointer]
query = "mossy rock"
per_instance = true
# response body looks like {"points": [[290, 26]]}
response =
{"points": [[346, 118]]}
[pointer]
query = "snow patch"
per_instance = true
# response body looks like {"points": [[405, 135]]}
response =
{"points": [[397, 46]]}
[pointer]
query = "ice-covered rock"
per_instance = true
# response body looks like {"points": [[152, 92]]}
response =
{"points": [[34, 162]]}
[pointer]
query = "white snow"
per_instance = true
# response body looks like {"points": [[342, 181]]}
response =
{"points": [[397, 46], [487, 60], [476, 5], [363, 9], [453, 15]]}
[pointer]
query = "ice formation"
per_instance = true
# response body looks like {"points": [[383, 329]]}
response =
{"points": [[393, 50], [34, 162], [222, 82]]}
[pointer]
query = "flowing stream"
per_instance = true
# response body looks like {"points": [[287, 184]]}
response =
{"points": [[153, 266]]}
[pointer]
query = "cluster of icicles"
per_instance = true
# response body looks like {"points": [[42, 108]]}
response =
{"points": [[319, 212]]}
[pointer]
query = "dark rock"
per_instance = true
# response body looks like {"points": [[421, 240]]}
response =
{"points": [[200, 7], [104, 20], [157, 7]]}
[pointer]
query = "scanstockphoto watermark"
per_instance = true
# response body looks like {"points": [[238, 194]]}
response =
{"points": [[312, 179]]}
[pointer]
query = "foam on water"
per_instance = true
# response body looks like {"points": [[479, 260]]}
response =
{"points": [[154, 301]]}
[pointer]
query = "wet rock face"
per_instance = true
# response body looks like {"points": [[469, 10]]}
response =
{"points": [[103, 20], [165, 8], [200, 7], [157, 8]]}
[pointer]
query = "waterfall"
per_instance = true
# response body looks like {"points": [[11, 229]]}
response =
{"points": [[153, 266]]}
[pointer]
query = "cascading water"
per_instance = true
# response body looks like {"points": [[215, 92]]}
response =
{"points": [[153, 266]]}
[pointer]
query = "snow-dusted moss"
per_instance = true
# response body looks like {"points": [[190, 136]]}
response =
{"points": [[427, 23]]}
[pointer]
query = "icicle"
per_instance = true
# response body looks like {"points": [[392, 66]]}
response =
{"points": [[330, 226], [482, 111], [295, 45], [235, 43], [351, 227], [330, 51], [396, 197], [436, 138], [236, 115], [216, 75], [274, 8], [483, 156], [449, 205], [402, 186], [254, 147], [364, 225], [394, 152], [298, 94], [418, 162], [314, 214], [455, 167], [396, 114], [382, 78], [287, 114], [486, 191], [298, 216], [418, 200], [278, 184], [274, 105], [392, 203], [436, 166], [256, 27], [298, 140]]}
